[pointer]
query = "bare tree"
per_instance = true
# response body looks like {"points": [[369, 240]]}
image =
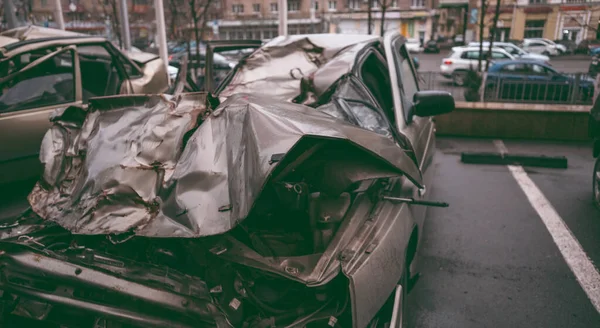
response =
{"points": [[492, 34], [110, 8], [199, 10], [370, 17], [481, 25], [175, 18], [384, 4]]}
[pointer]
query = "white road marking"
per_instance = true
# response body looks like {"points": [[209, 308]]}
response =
{"points": [[581, 265]]}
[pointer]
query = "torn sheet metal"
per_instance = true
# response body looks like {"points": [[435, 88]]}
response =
{"points": [[130, 169], [278, 68]]}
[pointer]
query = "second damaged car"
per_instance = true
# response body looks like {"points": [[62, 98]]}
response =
{"points": [[295, 198]]}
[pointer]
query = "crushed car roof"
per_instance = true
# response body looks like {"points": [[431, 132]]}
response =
{"points": [[21, 36], [287, 66], [37, 32], [170, 166]]}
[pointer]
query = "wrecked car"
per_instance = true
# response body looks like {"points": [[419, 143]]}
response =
{"points": [[293, 197], [43, 69]]}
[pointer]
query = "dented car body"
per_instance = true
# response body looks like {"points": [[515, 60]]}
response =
{"points": [[45, 69], [292, 198]]}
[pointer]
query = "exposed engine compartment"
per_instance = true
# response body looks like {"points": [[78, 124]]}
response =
{"points": [[290, 220]]}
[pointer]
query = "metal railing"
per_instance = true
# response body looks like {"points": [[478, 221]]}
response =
{"points": [[572, 89]]}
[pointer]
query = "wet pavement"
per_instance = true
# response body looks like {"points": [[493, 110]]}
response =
{"points": [[488, 260]]}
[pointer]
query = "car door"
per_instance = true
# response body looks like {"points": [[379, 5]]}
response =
{"points": [[28, 95], [420, 131], [394, 223], [536, 47], [510, 81]]}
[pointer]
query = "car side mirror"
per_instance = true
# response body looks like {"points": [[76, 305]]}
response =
{"points": [[431, 103]]}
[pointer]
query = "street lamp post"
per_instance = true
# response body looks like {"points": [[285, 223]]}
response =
{"points": [[161, 34], [125, 25], [58, 15], [283, 19]]}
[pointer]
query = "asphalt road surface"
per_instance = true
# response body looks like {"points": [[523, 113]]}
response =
{"points": [[489, 260]]}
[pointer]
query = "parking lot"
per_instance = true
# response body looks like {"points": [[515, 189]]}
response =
{"points": [[489, 260]]}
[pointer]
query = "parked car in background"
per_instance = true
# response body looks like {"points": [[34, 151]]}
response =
{"points": [[539, 47], [521, 80], [569, 45], [42, 70], [594, 66], [513, 50], [463, 59], [281, 202], [559, 47], [459, 40], [221, 65], [586, 46], [432, 46], [414, 45]]}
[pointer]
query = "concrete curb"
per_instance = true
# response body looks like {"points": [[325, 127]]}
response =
{"points": [[514, 120]]}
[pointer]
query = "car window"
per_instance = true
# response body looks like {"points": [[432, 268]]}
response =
{"points": [[499, 55], [51, 82], [538, 69], [99, 76], [375, 76], [354, 105], [514, 69]]}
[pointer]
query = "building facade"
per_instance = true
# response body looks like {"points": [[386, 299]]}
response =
{"points": [[259, 18], [95, 17], [574, 20]]}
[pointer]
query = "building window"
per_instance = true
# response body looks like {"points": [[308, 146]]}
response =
{"points": [[394, 4], [354, 4], [273, 7], [293, 5], [44, 3], [375, 4], [237, 9], [316, 5], [536, 1], [256, 7], [418, 3], [534, 28], [332, 5]]}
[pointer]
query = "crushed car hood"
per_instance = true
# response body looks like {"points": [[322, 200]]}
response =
{"points": [[170, 166]]}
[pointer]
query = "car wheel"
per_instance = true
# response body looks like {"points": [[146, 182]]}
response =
{"points": [[546, 53], [459, 78], [596, 184]]}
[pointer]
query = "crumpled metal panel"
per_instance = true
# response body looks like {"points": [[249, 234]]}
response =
{"points": [[278, 68], [129, 168], [36, 32]]}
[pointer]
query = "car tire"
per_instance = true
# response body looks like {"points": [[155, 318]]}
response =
{"points": [[596, 184], [546, 53], [459, 78]]}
